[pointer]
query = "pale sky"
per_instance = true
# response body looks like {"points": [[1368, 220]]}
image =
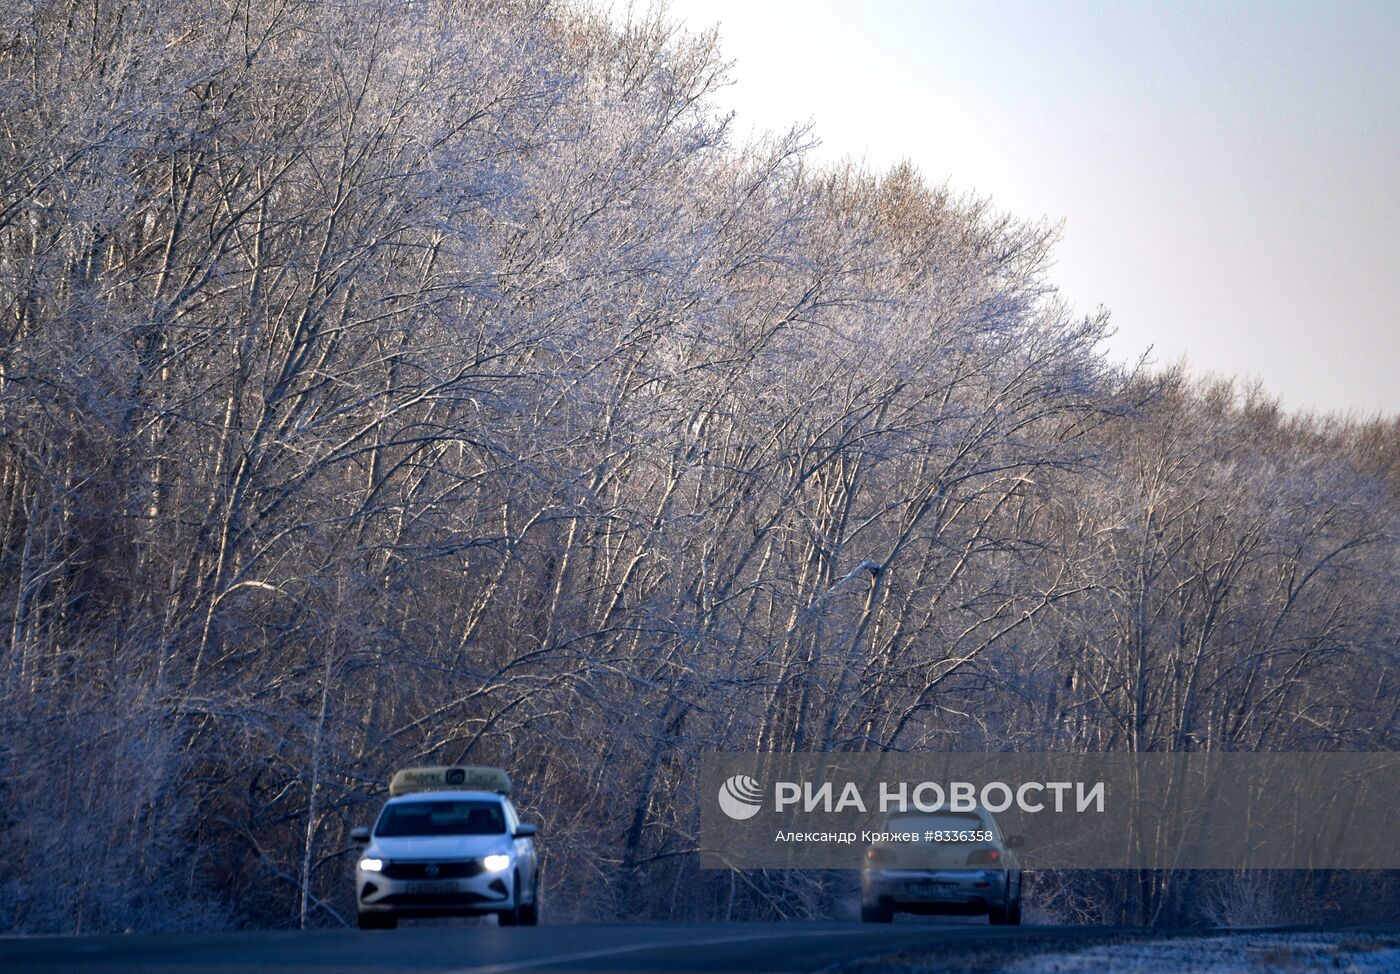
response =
{"points": [[1228, 173]]}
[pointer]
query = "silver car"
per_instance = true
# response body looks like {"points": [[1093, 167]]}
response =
{"points": [[964, 866], [440, 849]]}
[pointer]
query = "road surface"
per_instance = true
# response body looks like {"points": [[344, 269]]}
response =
{"points": [[733, 948]]}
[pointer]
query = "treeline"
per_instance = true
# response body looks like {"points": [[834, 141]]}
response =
{"points": [[387, 383]]}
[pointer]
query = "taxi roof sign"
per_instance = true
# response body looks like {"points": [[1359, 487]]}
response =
{"points": [[454, 776]]}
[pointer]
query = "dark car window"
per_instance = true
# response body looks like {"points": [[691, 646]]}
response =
{"points": [[441, 818], [938, 821]]}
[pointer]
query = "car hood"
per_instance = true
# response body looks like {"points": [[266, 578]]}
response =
{"points": [[444, 847]]}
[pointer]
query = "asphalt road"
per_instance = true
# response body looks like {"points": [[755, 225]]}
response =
{"points": [[484, 949]]}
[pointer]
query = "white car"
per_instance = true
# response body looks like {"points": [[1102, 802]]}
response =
{"points": [[448, 842], [966, 867]]}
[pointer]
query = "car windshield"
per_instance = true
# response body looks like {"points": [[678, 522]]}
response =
{"points": [[935, 821], [441, 817]]}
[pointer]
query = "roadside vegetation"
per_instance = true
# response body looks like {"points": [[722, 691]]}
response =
{"points": [[386, 383]]}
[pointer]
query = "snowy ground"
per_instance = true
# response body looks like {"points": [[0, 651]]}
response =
{"points": [[1255, 952], [1244, 953]]}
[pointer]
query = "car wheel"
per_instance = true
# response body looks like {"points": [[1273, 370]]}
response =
{"points": [[879, 912], [511, 917], [996, 916], [1013, 914], [376, 921], [530, 912]]}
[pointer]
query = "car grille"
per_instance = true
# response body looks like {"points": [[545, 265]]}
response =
{"points": [[434, 899], [462, 869]]}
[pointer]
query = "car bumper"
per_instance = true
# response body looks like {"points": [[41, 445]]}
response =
{"points": [[486, 893], [970, 891]]}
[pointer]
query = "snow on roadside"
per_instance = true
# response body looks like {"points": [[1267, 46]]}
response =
{"points": [[1241, 953]]}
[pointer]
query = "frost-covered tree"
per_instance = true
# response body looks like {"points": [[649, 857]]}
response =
{"points": [[387, 383]]}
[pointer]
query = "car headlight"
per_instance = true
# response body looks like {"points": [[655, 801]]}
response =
{"points": [[372, 865], [496, 864]]}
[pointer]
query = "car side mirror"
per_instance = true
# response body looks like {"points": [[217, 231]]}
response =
{"points": [[1015, 841], [523, 831], [360, 834]]}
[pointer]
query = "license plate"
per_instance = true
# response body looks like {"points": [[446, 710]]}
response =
{"points": [[432, 888], [932, 889]]}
